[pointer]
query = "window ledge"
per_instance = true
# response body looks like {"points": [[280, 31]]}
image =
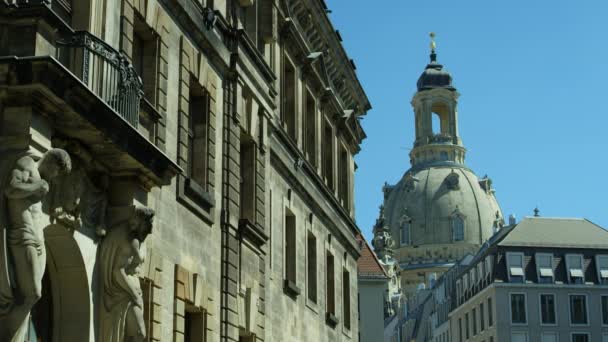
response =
{"points": [[331, 319], [193, 196], [253, 232], [291, 289]]}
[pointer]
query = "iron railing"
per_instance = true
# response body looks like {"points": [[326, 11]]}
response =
{"points": [[107, 72]]}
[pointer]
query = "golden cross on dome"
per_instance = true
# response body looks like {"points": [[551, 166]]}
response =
{"points": [[433, 45]]}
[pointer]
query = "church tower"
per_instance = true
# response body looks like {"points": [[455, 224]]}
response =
{"points": [[440, 210]]}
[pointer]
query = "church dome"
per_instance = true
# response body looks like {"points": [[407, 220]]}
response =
{"points": [[440, 206]]}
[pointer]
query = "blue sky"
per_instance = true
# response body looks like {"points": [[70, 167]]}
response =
{"points": [[533, 111]]}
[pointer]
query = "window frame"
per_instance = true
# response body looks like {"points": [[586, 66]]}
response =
{"points": [[540, 309], [604, 314], [570, 295], [311, 236], [457, 218], [569, 268], [511, 294], [539, 269], [601, 279], [508, 256], [405, 222], [521, 332], [555, 334]]}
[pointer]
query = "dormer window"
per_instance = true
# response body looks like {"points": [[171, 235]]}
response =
{"points": [[602, 268], [574, 264], [544, 267], [515, 265]]}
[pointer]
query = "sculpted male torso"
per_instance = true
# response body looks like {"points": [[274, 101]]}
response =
{"points": [[28, 184]]}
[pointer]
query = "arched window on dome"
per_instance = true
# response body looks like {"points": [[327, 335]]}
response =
{"points": [[405, 233], [457, 228]]}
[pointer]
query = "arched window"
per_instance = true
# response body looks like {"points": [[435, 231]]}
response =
{"points": [[457, 228], [405, 233], [436, 122]]}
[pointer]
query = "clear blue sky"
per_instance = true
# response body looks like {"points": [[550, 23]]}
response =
{"points": [[533, 109]]}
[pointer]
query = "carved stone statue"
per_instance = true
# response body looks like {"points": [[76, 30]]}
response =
{"points": [[383, 242], [121, 316], [23, 255]]}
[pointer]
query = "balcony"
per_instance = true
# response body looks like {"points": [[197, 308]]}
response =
{"points": [[105, 71], [73, 85]]}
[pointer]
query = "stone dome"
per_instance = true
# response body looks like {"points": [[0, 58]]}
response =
{"points": [[431, 199]]}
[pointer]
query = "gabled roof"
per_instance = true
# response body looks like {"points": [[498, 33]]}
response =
{"points": [[556, 232], [368, 265]]}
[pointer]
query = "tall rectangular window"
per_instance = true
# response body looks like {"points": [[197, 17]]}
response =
{"points": [[310, 128], [195, 325], [578, 309], [289, 109], [482, 318], [515, 264], [467, 325], [460, 330], [346, 298], [574, 263], [547, 309], [544, 267], [474, 322], [343, 181], [247, 181], [330, 284], [602, 268], [145, 57], [290, 247], [328, 154], [518, 308], [490, 313], [198, 134], [312, 267], [605, 310], [405, 233]]}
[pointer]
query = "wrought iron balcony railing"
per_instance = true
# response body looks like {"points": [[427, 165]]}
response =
{"points": [[107, 72]]}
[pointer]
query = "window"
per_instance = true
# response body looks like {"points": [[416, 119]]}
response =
{"points": [[312, 267], [490, 313], [518, 308], [547, 309], [515, 264], [194, 325], [544, 267], [247, 179], [605, 338], [328, 154], [457, 228], [256, 17], [482, 319], [460, 329], [548, 337], [520, 336], [310, 128], [602, 268], [578, 309], [405, 233], [466, 325], [580, 337], [574, 263], [605, 310], [346, 298], [290, 247], [289, 110], [144, 56], [343, 181], [330, 284], [198, 134], [474, 322]]}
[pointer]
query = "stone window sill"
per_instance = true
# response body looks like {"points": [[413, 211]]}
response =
{"points": [[291, 289], [331, 319], [195, 197]]}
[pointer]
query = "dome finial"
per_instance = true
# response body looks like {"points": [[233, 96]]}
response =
{"points": [[433, 47]]}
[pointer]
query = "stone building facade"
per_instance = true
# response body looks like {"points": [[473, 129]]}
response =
{"points": [[440, 210], [227, 126]]}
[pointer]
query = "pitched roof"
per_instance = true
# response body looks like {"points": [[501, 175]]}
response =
{"points": [[368, 265], [556, 232]]}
